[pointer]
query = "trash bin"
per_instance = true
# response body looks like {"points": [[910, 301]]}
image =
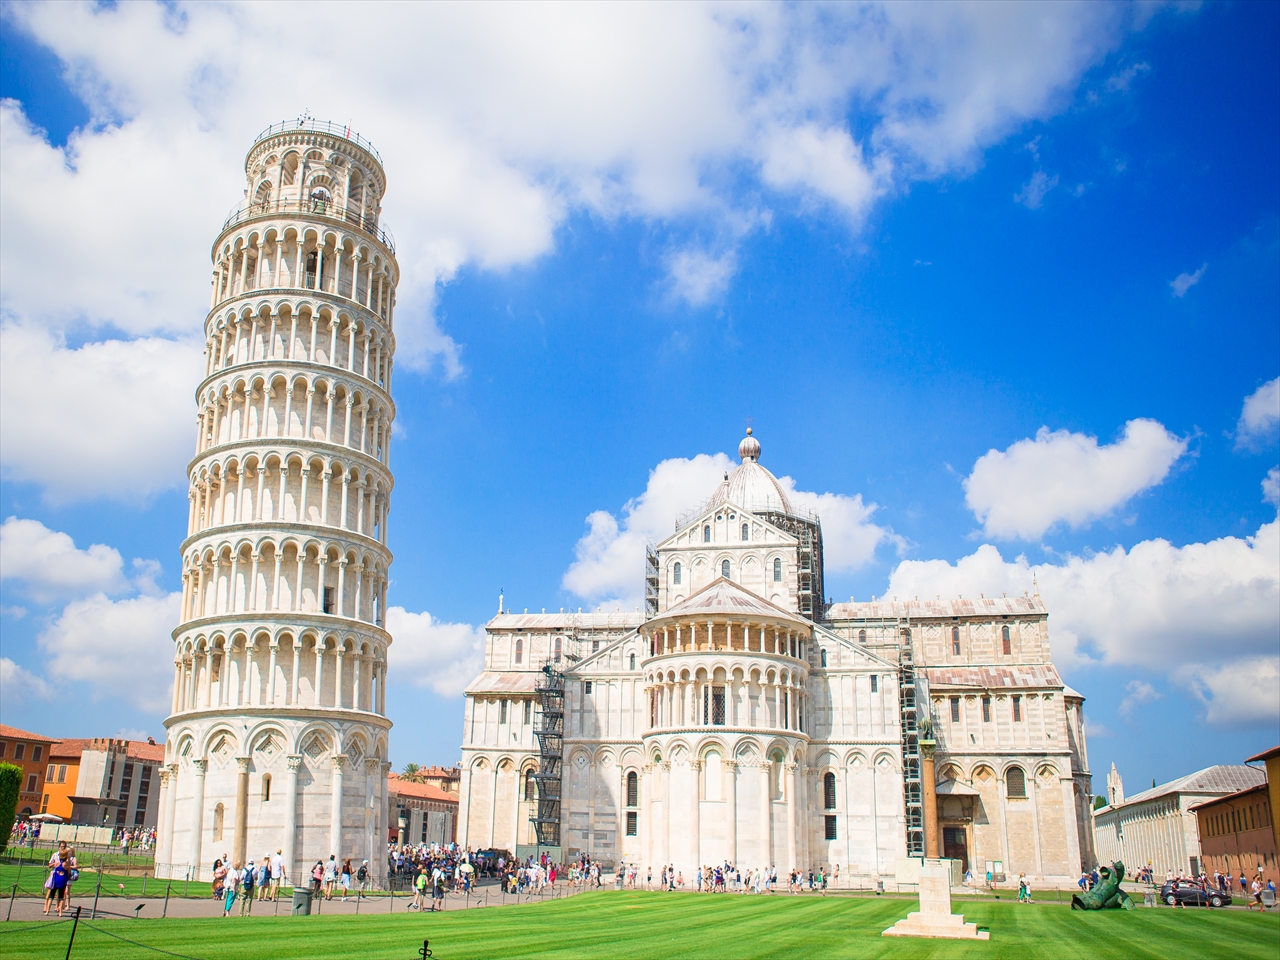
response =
{"points": [[302, 901]]}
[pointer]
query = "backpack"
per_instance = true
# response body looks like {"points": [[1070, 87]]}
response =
{"points": [[362, 874]]}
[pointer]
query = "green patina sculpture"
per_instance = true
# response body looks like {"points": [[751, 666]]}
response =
{"points": [[1107, 895]]}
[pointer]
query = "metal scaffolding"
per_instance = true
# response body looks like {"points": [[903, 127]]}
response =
{"points": [[650, 581], [550, 734], [808, 532], [911, 784]]}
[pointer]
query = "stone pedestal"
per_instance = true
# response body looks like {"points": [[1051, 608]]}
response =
{"points": [[934, 918]]}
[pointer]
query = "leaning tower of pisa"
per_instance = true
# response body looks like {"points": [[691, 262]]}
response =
{"points": [[278, 736]]}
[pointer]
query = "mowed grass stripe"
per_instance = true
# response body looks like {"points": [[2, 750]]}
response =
{"points": [[641, 925]]}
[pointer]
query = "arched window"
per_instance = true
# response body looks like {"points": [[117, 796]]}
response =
{"points": [[824, 658], [955, 641], [557, 650], [675, 573], [219, 814], [724, 569], [266, 787], [777, 569], [530, 786], [1004, 640], [633, 661], [519, 651], [1016, 782], [829, 791], [633, 789], [862, 636], [746, 532], [706, 533]]}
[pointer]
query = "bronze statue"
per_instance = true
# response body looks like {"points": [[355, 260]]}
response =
{"points": [[1107, 895]]}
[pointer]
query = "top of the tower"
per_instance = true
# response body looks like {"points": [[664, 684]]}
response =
{"points": [[749, 448], [307, 124]]}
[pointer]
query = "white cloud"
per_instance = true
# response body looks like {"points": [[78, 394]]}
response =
{"points": [[1122, 79], [496, 123], [1238, 694], [1260, 414], [1137, 693], [699, 277], [121, 648], [429, 653], [1271, 487], [20, 685], [1185, 612], [610, 556], [1185, 281], [50, 566], [113, 419], [1033, 191], [1066, 477]]}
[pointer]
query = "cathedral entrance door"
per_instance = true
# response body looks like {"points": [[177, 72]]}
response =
{"points": [[954, 846]]}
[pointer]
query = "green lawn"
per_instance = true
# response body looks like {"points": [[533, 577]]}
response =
{"points": [[627, 926], [30, 880]]}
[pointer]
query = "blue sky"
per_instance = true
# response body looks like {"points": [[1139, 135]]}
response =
{"points": [[901, 241]]}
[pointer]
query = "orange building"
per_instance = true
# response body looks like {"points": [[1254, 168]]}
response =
{"points": [[1237, 836], [60, 776], [29, 751]]}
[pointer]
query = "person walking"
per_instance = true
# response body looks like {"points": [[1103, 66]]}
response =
{"points": [[344, 879], [229, 889], [330, 876], [61, 879], [248, 880]]}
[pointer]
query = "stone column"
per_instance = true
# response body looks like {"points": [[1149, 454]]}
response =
{"points": [[170, 805], [240, 843], [291, 817], [372, 765], [731, 769], [696, 829], [666, 811], [791, 815], [766, 811], [335, 807], [928, 790], [201, 767]]}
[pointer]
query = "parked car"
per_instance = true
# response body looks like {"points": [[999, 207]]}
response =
{"points": [[1191, 894]]}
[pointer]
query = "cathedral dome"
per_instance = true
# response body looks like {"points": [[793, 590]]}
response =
{"points": [[751, 486]]}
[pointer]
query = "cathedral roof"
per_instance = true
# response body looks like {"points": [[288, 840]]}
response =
{"points": [[722, 598], [750, 485], [514, 681], [592, 620], [1031, 675], [937, 609]]}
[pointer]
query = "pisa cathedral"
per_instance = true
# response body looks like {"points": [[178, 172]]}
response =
{"points": [[742, 719], [277, 738]]}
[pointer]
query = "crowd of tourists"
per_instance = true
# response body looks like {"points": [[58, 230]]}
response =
{"points": [[248, 882], [137, 839], [726, 878]]}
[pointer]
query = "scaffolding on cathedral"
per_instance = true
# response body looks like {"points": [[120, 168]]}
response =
{"points": [[550, 735], [911, 786]]}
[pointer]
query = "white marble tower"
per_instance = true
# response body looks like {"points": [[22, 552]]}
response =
{"points": [[278, 735]]}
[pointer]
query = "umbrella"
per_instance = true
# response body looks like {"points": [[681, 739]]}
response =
{"points": [[467, 868], [46, 818]]}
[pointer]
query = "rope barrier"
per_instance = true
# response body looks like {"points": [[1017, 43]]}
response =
{"points": [[145, 946]]}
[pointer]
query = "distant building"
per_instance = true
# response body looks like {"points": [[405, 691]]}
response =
{"points": [[1238, 831], [28, 751], [444, 778], [1157, 827], [423, 811], [118, 784]]}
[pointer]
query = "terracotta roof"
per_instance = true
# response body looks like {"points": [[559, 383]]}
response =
{"points": [[142, 750], [423, 791], [1265, 755], [982, 608], [13, 733], [992, 678], [70, 748], [723, 597], [1204, 804], [512, 682], [1221, 779]]}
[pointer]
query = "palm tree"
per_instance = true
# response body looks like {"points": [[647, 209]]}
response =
{"points": [[411, 770]]}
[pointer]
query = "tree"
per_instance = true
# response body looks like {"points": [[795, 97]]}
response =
{"points": [[1099, 802], [410, 770], [10, 787]]}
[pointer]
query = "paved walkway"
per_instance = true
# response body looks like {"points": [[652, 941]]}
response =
{"points": [[488, 895]]}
